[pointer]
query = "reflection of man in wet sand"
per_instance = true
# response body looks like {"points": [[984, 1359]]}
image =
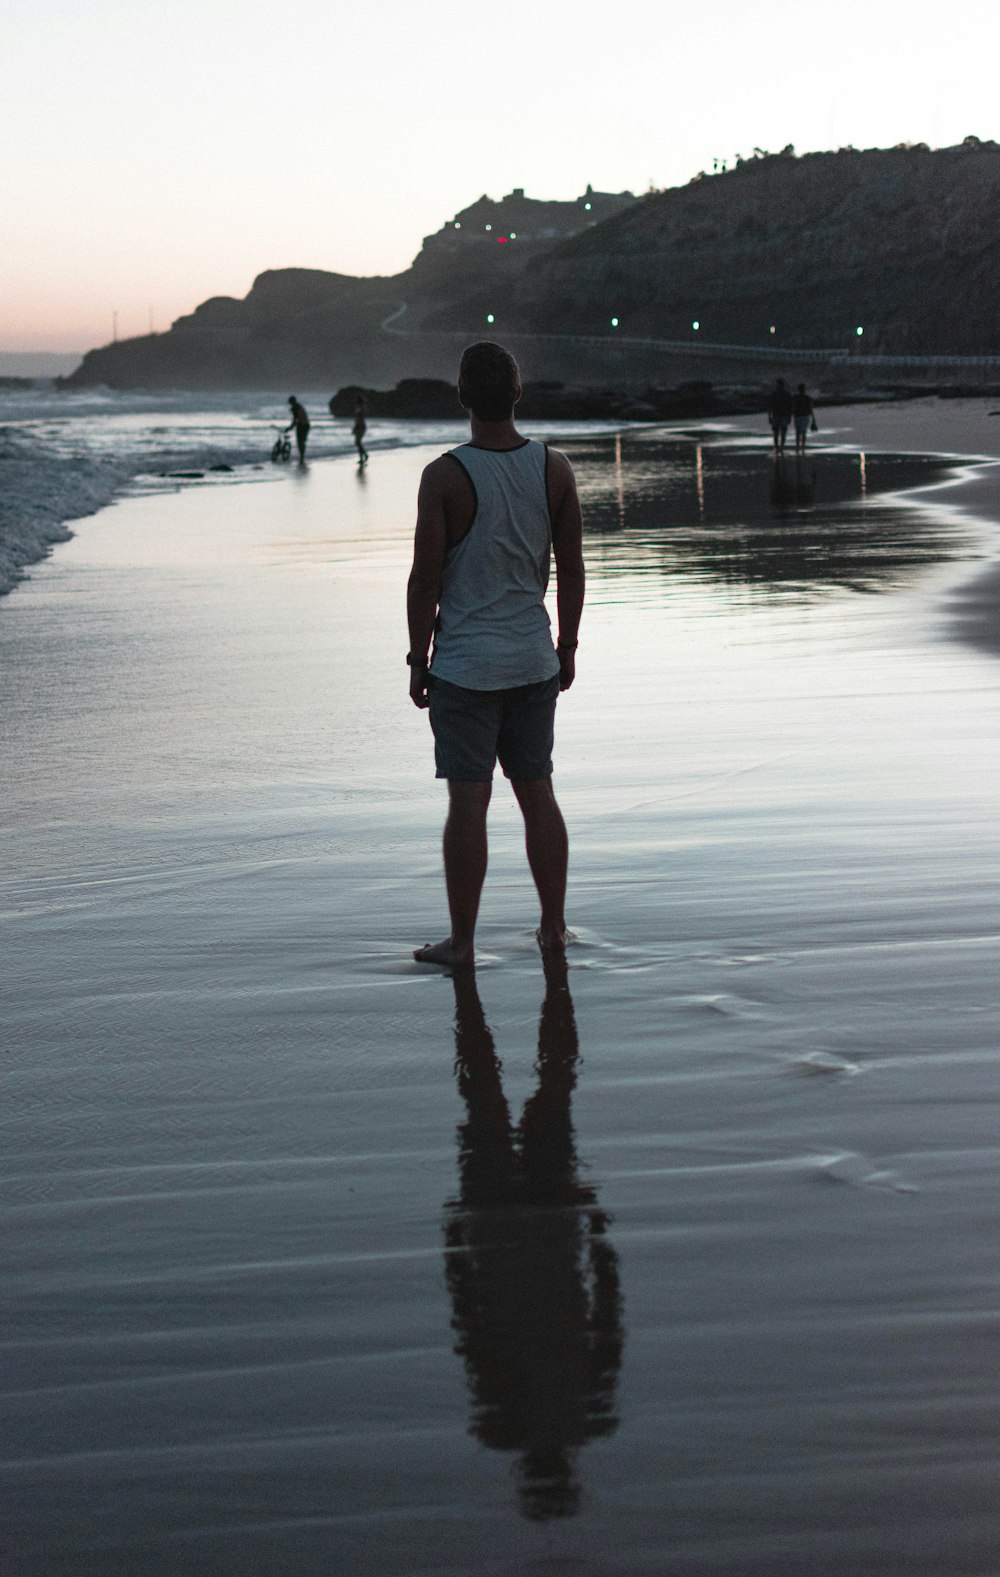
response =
{"points": [[790, 494], [532, 1274], [300, 421], [489, 514]]}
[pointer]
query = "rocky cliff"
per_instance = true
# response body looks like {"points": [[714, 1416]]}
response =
{"points": [[781, 251], [903, 242]]}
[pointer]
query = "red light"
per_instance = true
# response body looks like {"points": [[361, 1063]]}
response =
{"points": [[501, 240]]}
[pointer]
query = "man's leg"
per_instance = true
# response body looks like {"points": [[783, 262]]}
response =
{"points": [[465, 854], [548, 854]]}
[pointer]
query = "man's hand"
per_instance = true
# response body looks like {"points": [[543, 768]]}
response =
{"points": [[418, 685], [567, 667]]}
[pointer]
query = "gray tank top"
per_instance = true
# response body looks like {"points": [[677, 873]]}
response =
{"points": [[493, 628]]}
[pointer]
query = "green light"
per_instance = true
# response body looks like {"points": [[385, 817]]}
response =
{"points": [[489, 317], [614, 323], [587, 206], [859, 330], [696, 325]]}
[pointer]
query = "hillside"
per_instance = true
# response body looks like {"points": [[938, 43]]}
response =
{"points": [[904, 242], [781, 251], [316, 329]]}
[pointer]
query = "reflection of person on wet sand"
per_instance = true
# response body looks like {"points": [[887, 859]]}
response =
{"points": [[792, 489], [804, 415], [779, 413], [532, 1274]]}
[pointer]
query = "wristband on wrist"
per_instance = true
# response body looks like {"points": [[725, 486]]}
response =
{"points": [[566, 646], [415, 662]]}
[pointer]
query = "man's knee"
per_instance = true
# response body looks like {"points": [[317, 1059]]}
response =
{"points": [[533, 793], [469, 799]]}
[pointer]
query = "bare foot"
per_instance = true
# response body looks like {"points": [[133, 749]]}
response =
{"points": [[553, 939], [444, 953]]}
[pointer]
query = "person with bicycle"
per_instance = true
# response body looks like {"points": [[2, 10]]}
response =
{"points": [[300, 421]]}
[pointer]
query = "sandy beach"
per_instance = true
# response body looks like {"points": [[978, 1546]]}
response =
{"points": [[680, 1262]]}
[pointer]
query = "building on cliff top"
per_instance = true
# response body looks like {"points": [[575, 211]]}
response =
{"points": [[518, 218]]}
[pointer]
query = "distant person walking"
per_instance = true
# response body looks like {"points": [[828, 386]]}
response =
{"points": [[489, 516], [361, 427], [805, 417], [779, 413], [300, 421]]}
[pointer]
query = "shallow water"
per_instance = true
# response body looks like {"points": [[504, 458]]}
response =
{"points": [[65, 455], [725, 511], [320, 1261]]}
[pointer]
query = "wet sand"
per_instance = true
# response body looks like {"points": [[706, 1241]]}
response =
{"points": [[959, 428], [681, 1262]]}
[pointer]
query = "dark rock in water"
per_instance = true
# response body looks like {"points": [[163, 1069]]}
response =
{"points": [[430, 399], [433, 399], [220, 467], [189, 476]]}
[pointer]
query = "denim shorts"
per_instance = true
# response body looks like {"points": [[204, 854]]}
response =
{"points": [[473, 729]]}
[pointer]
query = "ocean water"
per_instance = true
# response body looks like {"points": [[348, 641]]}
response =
{"points": [[65, 455]]}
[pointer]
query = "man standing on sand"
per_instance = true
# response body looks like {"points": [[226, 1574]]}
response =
{"points": [[360, 428], [489, 515], [779, 414], [805, 417]]}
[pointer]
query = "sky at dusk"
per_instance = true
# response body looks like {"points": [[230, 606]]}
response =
{"points": [[158, 154]]}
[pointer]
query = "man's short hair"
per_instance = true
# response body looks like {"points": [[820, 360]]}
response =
{"points": [[488, 381]]}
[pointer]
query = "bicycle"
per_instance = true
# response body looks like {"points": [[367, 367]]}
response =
{"points": [[282, 448]]}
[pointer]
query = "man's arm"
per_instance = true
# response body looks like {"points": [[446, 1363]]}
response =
{"points": [[567, 547], [424, 586]]}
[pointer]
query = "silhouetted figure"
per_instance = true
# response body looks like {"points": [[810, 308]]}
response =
{"points": [[532, 1274], [779, 413], [300, 421], [360, 427], [491, 516], [805, 417]]}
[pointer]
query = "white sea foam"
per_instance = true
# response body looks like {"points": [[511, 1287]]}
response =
{"points": [[39, 492], [64, 456]]}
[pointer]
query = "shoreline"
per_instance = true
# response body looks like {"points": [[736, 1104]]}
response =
{"points": [[963, 432], [44, 485]]}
